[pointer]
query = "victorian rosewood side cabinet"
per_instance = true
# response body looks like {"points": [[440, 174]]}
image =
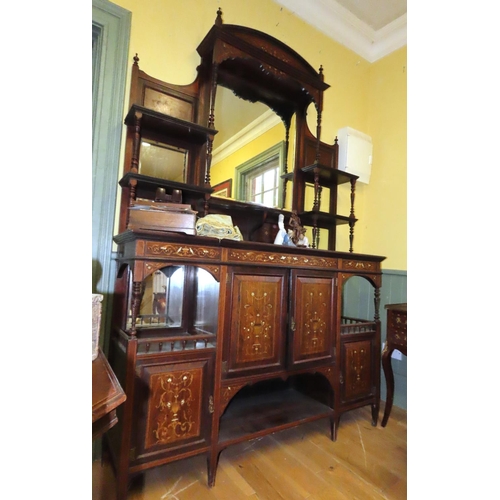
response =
{"points": [[217, 341], [395, 340]]}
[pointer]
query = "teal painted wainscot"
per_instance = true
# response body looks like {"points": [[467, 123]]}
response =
{"points": [[393, 291]]}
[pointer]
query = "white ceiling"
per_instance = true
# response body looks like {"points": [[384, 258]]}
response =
{"points": [[371, 28]]}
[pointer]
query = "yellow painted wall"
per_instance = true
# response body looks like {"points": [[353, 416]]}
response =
{"points": [[165, 34], [384, 225]]}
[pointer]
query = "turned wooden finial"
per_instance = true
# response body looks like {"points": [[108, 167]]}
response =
{"points": [[321, 72], [218, 20], [136, 59]]}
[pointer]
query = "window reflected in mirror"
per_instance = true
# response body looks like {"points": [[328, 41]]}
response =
{"points": [[258, 180], [162, 161]]}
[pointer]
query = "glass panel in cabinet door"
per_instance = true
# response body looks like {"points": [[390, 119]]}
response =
{"points": [[163, 161]]}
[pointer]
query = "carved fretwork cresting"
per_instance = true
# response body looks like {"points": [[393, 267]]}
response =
{"points": [[174, 412]]}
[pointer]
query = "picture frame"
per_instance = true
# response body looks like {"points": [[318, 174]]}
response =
{"points": [[223, 189]]}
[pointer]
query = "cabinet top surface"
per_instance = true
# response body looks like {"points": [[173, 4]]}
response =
{"points": [[129, 236], [396, 307]]}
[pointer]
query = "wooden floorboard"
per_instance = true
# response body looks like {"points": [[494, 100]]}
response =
{"points": [[301, 463]]}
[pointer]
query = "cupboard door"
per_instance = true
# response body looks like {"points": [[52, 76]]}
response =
{"points": [[312, 320], [257, 321], [173, 407], [357, 370]]}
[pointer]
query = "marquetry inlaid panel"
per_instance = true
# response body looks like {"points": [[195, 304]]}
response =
{"points": [[359, 265], [312, 320], [396, 327], [174, 405], [275, 258], [256, 337], [357, 369], [173, 250]]}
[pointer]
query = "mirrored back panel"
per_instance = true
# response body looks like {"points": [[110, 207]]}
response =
{"points": [[179, 300]]}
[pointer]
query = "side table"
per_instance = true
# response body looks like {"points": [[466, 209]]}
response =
{"points": [[107, 395], [396, 340]]}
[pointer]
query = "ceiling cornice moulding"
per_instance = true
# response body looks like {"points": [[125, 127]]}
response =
{"points": [[339, 24]]}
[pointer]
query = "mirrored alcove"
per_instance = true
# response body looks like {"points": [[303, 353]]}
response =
{"points": [[163, 161], [179, 300]]}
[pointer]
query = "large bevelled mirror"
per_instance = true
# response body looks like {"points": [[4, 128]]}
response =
{"points": [[249, 152]]}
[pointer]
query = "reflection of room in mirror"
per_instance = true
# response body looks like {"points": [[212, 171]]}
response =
{"points": [[161, 303], [163, 162], [163, 306], [207, 302], [233, 114], [262, 185], [223, 189]]}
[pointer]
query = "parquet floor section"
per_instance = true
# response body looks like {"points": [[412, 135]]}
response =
{"points": [[302, 463]]}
